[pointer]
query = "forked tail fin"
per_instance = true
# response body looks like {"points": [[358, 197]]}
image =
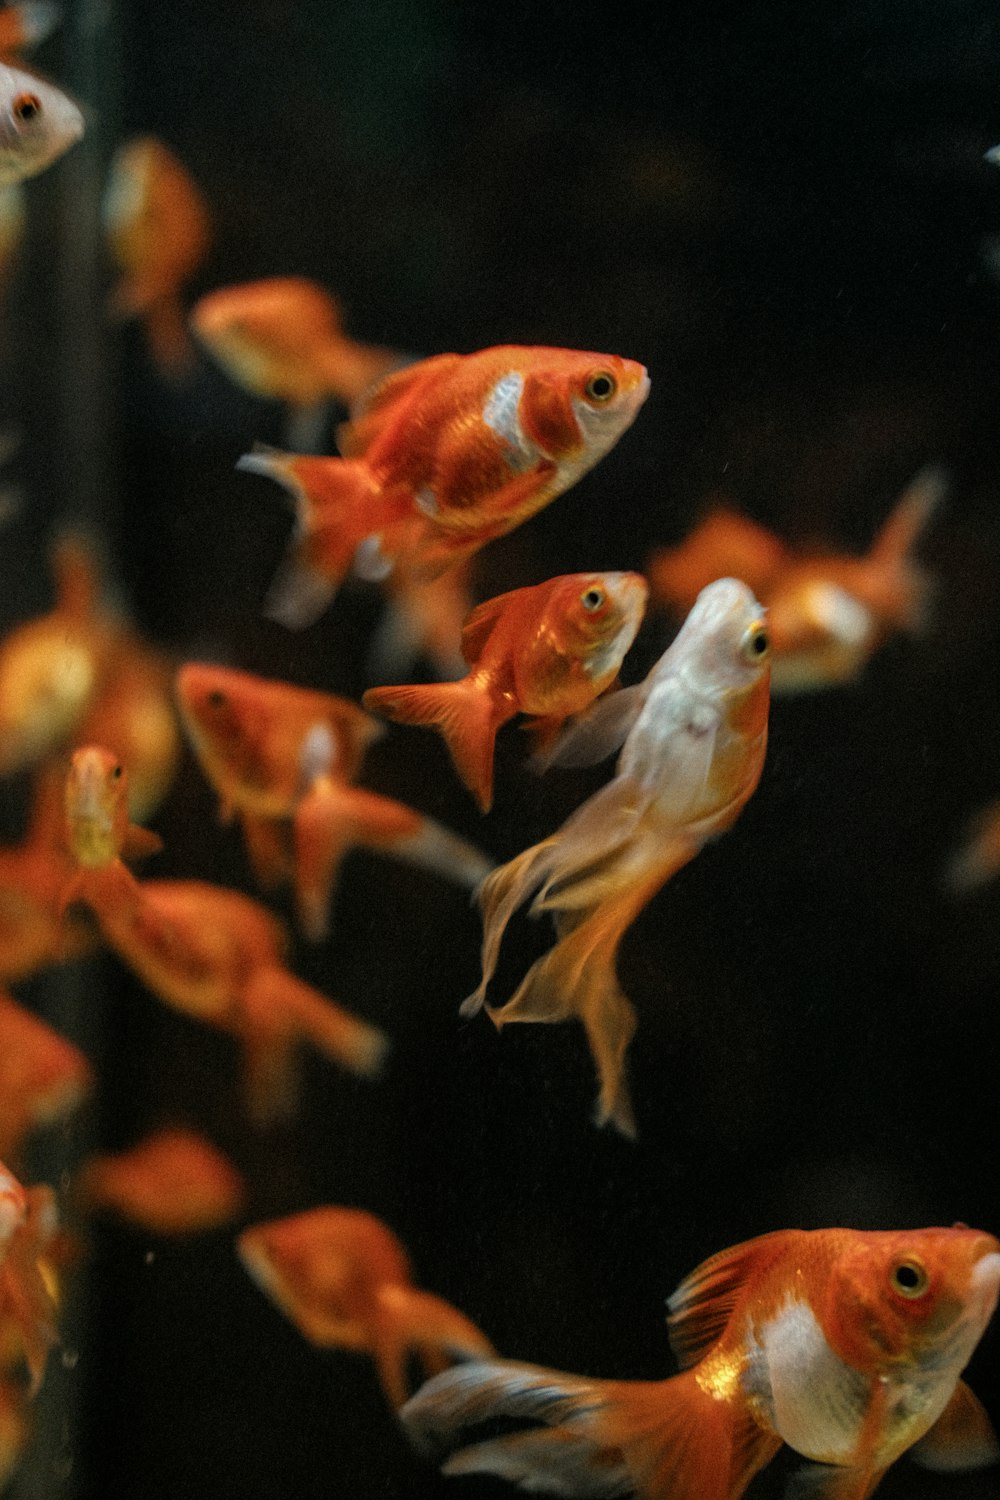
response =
{"points": [[409, 1320], [465, 715], [661, 1440]]}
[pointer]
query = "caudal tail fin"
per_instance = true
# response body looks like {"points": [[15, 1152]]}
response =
{"points": [[335, 503], [893, 548], [467, 717], [661, 1440], [408, 1320]]}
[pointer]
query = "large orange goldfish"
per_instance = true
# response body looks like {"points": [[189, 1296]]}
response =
{"points": [[444, 456], [174, 1182], [696, 736], [827, 614], [43, 1077], [546, 651], [282, 758], [28, 1226], [344, 1280], [847, 1346], [210, 952]]}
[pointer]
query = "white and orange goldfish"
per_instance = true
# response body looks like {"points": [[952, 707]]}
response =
{"points": [[344, 1280], [282, 758], [173, 1182], [546, 651], [847, 1346], [43, 1077], [443, 457], [827, 614], [38, 123], [695, 735], [158, 229], [209, 952]]}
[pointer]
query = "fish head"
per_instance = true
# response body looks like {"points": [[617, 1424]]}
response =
{"points": [[37, 124], [96, 806], [914, 1297], [724, 644], [266, 335], [576, 405], [595, 617]]}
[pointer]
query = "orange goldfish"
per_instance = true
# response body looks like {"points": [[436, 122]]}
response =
{"points": [[174, 1182], [695, 734], [847, 1346], [546, 651], [28, 1227], [210, 952], [443, 457], [43, 1077], [827, 614], [282, 758], [158, 230], [25, 26], [344, 1280]]}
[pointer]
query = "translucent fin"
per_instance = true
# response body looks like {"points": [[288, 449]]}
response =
{"points": [[962, 1437], [465, 713], [702, 1305], [596, 734], [409, 1319]]}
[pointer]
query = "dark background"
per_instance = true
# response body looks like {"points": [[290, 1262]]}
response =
{"points": [[785, 214]]}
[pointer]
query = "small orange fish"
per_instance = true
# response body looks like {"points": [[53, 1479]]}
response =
{"points": [[443, 457], [695, 735], [342, 1277], [43, 1077], [282, 758], [546, 651], [158, 229], [847, 1346], [207, 951], [827, 614], [172, 1183], [28, 1227]]}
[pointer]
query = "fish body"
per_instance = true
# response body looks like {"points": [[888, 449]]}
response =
{"points": [[32, 877], [37, 124], [344, 1280], [827, 613], [546, 651], [695, 736], [282, 758], [848, 1346], [173, 1182], [442, 457], [43, 1077]]}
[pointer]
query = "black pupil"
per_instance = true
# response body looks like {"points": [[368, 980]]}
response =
{"points": [[601, 387], [759, 644], [907, 1277], [26, 108], [592, 599], [216, 699], [116, 773]]}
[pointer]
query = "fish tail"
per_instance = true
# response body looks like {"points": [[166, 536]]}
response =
{"points": [[892, 550], [279, 1006], [978, 859], [165, 326], [268, 847], [499, 896], [334, 501], [408, 1319], [466, 716], [661, 1440]]}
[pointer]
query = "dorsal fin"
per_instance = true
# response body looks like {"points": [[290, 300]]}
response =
{"points": [[911, 514], [702, 1305], [378, 405], [77, 576], [479, 624]]}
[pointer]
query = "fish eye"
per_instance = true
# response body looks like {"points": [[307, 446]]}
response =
{"points": [[217, 698], [909, 1278], [592, 599], [600, 386], [26, 107], [756, 643], [116, 774]]}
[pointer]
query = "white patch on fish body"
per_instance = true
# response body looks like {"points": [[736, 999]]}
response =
{"points": [[317, 755], [501, 413], [370, 562], [839, 613]]}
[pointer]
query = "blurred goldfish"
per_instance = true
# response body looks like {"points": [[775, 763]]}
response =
{"points": [[28, 1228], [25, 26], [132, 713], [43, 1077], [344, 1280], [172, 1183], [14, 1428], [282, 758], [32, 876], [37, 124], [546, 651], [441, 458], [695, 734], [283, 339], [158, 229], [827, 614], [977, 861], [423, 617], [847, 1346], [207, 951]]}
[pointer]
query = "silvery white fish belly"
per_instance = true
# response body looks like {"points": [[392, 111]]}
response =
{"points": [[501, 413], [37, 124]]}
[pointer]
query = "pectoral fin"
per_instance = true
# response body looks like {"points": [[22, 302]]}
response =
{"points": [[961, 1438]]}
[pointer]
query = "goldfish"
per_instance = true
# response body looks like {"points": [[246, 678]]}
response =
{"points": [[158, 230], [207, 951], [977, 861], [282, 758], [37, 124], [283, 339], [827, 614], [25, 26], [846, 1345], [344, 1280], [695, 736], [28, 1227], [43, 1077], [172, 1183], [546, 651], [441, 458]]}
